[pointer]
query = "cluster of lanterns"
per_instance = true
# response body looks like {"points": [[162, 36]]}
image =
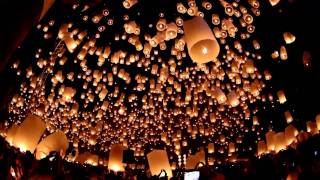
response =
{"points": [[117, 81]]}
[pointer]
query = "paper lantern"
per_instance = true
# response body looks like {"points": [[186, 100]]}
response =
{"points": [[270, 140], [11, 133], [288, 37], [201, 43], [115, 158], [282, 97], [70, 43], [29, 133], [262, 148], [288, 117], [193, 160], [232, 147], [312, 127], [280, 141], [233, 99], [54, 142], [210, 148], [283, 53], [290, 134], [158, 160]]}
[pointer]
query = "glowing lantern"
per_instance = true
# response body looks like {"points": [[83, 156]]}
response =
{"points": [[220, 96], [158, 160], [283, 53], [54, 142], [70, 43], [282, 97], [232, 147], [29, 133], [210, 148], [262, 147], [171, 31], [280, 141], [11, 133], [193, 160], [270, 139], [290, 134], [288, 37], [288, 117], [115, 158], [201, 43], [233, 99], [312, 127]]}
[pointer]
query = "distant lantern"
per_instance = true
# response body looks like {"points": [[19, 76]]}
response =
{"points": [[288, 117], [282, 97], [233, 99], [29, 133], [54, 142], [283, 53], [232, 147], [158, 160], [201, 43], [115, 158], [288, 37], [210, 148]]}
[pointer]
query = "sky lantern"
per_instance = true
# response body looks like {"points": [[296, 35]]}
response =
{"points": [[280, 141], [290, 134], [29, 133], [115, 158], [288, 117], [201, 43], [54, 142], [281, 96], [11, 133], [288, 37], [270, 139], [158, 160]]}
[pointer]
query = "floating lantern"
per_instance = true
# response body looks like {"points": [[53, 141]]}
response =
{"points": [[29, 133], [288, 37], [201, 43], [115, 158], [54, 142]]}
